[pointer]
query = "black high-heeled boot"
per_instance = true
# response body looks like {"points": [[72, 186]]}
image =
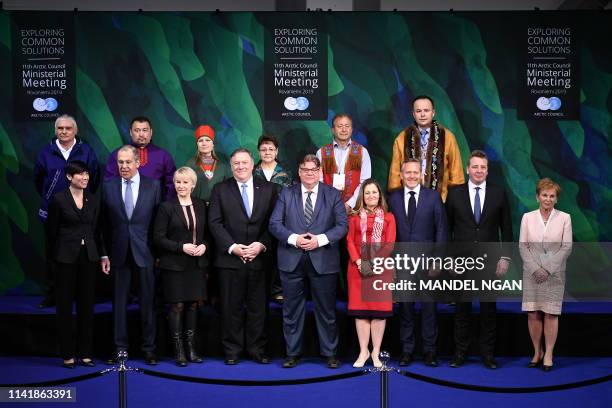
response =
{"points": [[191, 323], [175, 323]]}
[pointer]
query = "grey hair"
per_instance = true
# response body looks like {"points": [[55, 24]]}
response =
{"points": [[66, 117]]}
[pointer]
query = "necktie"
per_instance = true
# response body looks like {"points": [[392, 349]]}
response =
{"points": [[411, 208], [245, 200], [308, 210], [129, 199], [477, 206], [424, 140]]}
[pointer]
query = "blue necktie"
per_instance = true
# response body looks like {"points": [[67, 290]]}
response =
{"points": [[477, 206], [308, 210], [129, 199], [245, 200], [424, 138]]}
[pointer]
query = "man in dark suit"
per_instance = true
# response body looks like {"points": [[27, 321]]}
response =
{"points": [[419, 216], [309, 219], [129, 205], [239, 213], [478, 212]]}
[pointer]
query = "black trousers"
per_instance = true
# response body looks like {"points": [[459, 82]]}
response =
{"points": [[122, 279], [488, 312], [75, 281], [323, 291], [429, 326], [243, 310]]}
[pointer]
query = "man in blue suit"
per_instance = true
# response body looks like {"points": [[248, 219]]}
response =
{"points": [[420, 217], [308, 220], [129, 205]]}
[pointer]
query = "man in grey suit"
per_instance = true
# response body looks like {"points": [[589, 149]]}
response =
{"points": [[129, 205], [308, 220]]}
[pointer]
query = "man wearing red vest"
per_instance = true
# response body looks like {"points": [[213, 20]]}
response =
{"points": [[345, 164]]}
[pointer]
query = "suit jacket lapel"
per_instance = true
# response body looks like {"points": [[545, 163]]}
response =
{"points": [[318, 204], [257, 193], [178, 209], [468, 203], [70, 200], [420, 204], [238, 195], [142, 195], [297, 195], [485, 205], [117, 190]]}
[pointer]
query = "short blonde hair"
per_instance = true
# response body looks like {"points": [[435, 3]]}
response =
{"points": [[547, 184], [186, 171]]}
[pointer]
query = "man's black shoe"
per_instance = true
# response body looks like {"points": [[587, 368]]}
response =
{"points": [[405, 359], [430, 359], [489, 362], [260, 358], [290, 361], [150, 358], [333, 362], [231, 360], [458, 360]]}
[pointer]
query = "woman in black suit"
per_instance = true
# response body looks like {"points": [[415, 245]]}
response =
{"points": [[180, 236], [73, 242]]}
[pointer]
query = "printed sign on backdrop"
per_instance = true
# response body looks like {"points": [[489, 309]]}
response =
{"points": [[43, 51], [550, 73], [295, 65]]}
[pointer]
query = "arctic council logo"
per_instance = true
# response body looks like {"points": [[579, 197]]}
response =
{"points": [[544, 103]]}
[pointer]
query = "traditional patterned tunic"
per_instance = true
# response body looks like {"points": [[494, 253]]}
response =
{"points": [[443, 167]]}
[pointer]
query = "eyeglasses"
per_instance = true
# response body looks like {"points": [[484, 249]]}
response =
{"points": [[270, 149], [309, 171]]}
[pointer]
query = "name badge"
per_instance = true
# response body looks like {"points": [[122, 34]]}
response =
{"points": [[339, 181]]}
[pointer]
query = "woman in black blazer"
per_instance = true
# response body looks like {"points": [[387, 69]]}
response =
{"points": [[73, 242], [179, 235]]}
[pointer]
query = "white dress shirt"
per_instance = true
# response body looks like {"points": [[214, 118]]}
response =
{"points": [[481, 194], [135, 187], [251, 195], [65, 152], [249, 190], [321, 238], [417, 191], [341, 156]]}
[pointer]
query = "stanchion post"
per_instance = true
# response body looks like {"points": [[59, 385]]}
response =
{"points": [[384, 369], [122, 356], [384, 379]]}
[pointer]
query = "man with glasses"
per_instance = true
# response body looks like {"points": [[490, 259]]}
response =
{"points": [[238, 217], [309, 219]]}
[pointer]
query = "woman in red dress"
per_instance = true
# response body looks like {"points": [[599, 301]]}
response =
{"points": [[371, 235]]}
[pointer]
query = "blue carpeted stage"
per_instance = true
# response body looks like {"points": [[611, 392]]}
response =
{"points": [[29, 337], [510, 386]]}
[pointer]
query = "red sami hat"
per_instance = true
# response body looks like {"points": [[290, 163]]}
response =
{"points": [[204, 130]]}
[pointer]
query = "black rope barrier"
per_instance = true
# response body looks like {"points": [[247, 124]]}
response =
{"points": [[253, 383], [505, 390], [53, 383]]}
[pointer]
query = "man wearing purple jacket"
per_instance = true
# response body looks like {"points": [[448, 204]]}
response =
{"points": [[50, 177], [155, 162]]}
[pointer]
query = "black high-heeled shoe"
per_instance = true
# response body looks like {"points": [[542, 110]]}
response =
{"points": [[534, 364], [547, 368]]}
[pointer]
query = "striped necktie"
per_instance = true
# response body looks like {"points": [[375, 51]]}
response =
{"points": [[308, 210]]}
